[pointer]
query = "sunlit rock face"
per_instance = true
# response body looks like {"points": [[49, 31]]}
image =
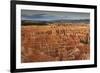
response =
{"points": [[55, 42]]}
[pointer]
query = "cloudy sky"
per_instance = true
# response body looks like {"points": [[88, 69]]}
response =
{"points": [[51, 15]]}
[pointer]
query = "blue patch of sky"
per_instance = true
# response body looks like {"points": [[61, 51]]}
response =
{"points": [[36, 15]]}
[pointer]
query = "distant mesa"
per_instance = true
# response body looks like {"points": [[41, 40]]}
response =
{"points": [[39, 22]]}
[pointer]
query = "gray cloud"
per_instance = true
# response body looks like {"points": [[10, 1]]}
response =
{"points": [[52, 15]]}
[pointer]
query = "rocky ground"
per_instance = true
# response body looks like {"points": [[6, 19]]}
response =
{"points": [[55, 42]]}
